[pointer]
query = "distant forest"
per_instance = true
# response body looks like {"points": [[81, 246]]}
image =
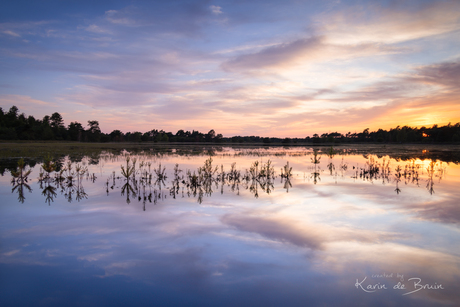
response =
{"points": [[15, 126]]}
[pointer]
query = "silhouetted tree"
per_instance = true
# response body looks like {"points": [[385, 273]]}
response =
{"points": [[75, 131], [94, 132]]}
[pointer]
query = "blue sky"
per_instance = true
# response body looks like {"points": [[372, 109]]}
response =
{"points": [[269, 68]]}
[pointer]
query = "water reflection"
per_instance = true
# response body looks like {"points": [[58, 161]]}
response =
{"points": [[49, 191], [222, 229], [19, 188], [68, 180], [147, 183], [19, 180]]}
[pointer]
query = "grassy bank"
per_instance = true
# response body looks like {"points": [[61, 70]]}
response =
{"points": [[40, 149], [55, 148]]}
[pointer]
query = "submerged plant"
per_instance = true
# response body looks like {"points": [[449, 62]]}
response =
{"points": [[128, 189], [207, 169], [316, 159], [234, 177], [50, 193], [267, 171], [19, 180], [20, 189], [233, 174], [331, 152], [160, 172], [20, 176], [192, 180], [371, 171], [430, 182], [287, 184], [48, 166], [145, 175], [331, 168], [254, 170], [130, 168], [174, 190], [286, 171], [80, 171]]}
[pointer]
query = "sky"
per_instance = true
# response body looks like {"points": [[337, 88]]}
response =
{"points": [[269, 68]]}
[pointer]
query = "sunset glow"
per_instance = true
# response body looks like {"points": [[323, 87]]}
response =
{"points": [[267, 68]]}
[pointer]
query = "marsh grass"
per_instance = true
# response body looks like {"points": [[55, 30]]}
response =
{"points": [[74, 150]]}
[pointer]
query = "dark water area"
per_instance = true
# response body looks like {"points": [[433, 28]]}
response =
{"points": [[275, 226]]}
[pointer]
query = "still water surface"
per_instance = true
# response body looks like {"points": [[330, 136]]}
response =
{"points": [[352, 229]]}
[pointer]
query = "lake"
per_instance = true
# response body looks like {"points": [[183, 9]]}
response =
{"points": [[226, 226]]}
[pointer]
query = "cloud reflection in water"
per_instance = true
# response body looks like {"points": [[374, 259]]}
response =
{"points": [[305, 246]]}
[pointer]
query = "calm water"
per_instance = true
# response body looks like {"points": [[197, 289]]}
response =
{"points": [[353, 229]]}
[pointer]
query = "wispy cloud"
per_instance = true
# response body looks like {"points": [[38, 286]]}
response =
{"points": [[118, 17], [276, 55], [9, 32], [396, 23], [97, 29], [22, 101], [306, 51], [216, 10]]}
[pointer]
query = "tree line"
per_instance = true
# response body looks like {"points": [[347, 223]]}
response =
{"points": [[18, 126]]}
